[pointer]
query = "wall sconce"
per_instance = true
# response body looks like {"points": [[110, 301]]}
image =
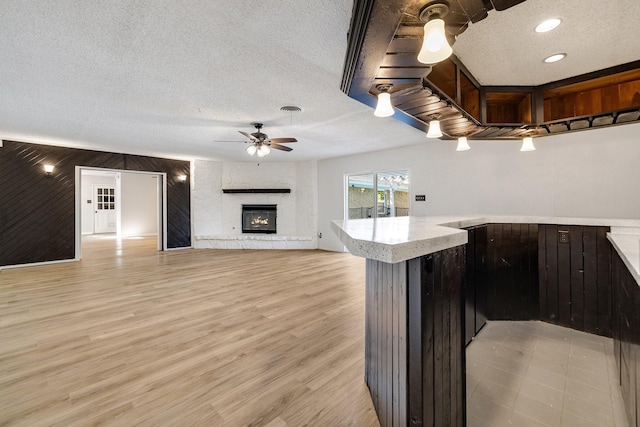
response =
{"points": [[182, 178], [384, 107], [463, 144], [48, 169], [527, 144], [435, 47], [434, 128]]}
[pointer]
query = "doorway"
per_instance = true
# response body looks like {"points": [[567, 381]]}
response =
{"points": [[120, 205]]}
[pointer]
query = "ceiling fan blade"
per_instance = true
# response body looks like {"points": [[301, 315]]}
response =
{"points": [[251, 137], [281, 140], [280, 147]]}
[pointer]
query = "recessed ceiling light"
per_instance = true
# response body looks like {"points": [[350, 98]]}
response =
{"points": [[555, 58], [548, 25]]}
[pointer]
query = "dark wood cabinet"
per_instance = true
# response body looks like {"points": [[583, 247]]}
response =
{"points": [[475, 289], [626, 334], [436, 382], [414, 343], [512, 272], [575, 277]]}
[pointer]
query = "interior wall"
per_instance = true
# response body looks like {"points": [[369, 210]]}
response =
{"points": [[592, 174], [37, 212], [86, 198], [138, 204], [218, 214]]}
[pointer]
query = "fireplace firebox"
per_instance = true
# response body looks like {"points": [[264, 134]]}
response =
{"points": [[259, 218]]}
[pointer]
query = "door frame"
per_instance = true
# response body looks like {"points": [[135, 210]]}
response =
{"points": [[162, 205]]}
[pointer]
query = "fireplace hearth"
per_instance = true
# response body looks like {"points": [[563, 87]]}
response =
{"points": [[259, 218]]}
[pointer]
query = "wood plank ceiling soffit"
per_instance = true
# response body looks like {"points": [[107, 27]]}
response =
{"points": [[385, 38]]}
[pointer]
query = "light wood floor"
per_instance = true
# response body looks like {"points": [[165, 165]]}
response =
{"points": [[131, 336]]}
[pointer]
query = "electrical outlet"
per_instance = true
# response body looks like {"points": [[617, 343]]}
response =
{"points": [[563, 236], [319, 235]]}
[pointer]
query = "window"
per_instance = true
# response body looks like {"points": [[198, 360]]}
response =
{"points": [[378, 195]]}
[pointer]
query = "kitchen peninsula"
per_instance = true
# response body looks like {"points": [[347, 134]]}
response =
{"points": [[431, 283]]}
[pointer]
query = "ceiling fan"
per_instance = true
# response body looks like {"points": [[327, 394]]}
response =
{"points": [[261, 144]]}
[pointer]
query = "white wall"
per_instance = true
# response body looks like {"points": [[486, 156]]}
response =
{"points": [[218, 215], [593, 174], [86, 185], [139, 204]]}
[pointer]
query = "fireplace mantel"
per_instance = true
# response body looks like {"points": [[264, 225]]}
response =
{"points": [[256, 190]]}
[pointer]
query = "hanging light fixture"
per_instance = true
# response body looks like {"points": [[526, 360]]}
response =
{"points": [[384, 107], [435, 47], [434, 128], [527, 144], [463, 144], [252, 149]]}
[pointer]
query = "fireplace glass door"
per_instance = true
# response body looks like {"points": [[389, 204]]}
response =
{"points": [[259, 219]]}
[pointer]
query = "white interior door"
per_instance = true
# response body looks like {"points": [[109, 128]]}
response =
{"points": [[104, 202]]}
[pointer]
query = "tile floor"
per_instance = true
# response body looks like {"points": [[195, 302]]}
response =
{"points": [[538, 374]]}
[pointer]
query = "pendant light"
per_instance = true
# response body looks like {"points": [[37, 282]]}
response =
{"points": [[435, 47], [251, 150], [434, 128], [384, 107], [463, 144], [527, 144]]}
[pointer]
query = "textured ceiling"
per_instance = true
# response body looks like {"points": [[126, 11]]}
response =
{"points": [[504, 49], [169, 78]]}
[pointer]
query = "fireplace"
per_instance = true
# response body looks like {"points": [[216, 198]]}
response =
{"points": [[259, 218]]}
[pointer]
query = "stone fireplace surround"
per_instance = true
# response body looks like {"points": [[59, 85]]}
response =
{"points": [[217, 216]]}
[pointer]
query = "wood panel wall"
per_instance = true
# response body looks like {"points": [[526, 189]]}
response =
{"points": [[436, 381], [37, 212], [512, 272], [386, 340], [575, 277]]}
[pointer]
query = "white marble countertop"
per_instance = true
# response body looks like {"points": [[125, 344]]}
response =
{"points": [[401, 238]]}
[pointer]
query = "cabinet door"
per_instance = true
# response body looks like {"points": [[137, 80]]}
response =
{"points": [[470, 288], [480, 277]]}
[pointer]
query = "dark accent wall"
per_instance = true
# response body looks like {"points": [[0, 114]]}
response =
{"points": [[512, 272], [37, 212], [575, 277], [436, 362]]}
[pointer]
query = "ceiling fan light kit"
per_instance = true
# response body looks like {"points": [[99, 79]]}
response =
{"points": [[261, 144], [435, 47]]}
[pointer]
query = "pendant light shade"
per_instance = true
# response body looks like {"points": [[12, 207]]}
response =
{"points": [[435, 47], [251, 150], [527, 144], [463, 144], [384, 108], [434, 129]]}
